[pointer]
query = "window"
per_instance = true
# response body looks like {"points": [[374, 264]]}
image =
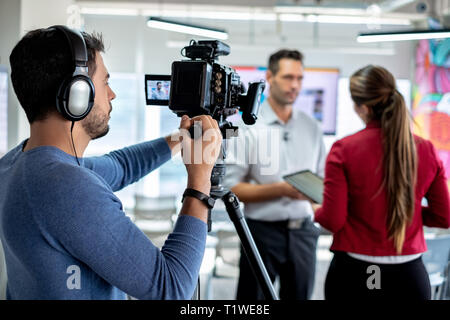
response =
{"points": [[3, 110], [124, 124], [133, 122], [172, 175]]}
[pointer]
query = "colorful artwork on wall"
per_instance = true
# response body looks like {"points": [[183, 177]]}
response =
{"points": [[431, 96]]}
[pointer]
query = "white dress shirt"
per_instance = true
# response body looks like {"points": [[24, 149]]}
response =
{"points": [[159, 95], [265, 152]]}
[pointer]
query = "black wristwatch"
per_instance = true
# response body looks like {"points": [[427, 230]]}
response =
{"points": [[207, 200]]}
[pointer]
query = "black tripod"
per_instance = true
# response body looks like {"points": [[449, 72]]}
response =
{"points": [[231, 202]]}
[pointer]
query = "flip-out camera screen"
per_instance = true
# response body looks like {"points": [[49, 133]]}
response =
{"points": [[157, 89]]}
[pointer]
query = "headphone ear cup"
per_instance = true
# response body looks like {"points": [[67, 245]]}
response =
{"points": [[62, 98], [91, 95], [75, 98]]}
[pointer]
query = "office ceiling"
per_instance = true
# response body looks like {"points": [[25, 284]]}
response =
{"points": [[271, 3], [415, 10], [286, 21], [407, 6]]}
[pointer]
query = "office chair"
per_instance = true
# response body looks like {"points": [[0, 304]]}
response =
{"points": [[227, 249], [155, 216], [437, 261]]}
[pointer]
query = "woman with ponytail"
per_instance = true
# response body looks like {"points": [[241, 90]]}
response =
{"points": [[375, 181]]}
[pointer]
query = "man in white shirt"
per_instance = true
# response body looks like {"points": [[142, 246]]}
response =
{"points": [[159, 93], [283, 140]]}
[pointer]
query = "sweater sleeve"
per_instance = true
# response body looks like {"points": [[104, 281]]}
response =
{"points": [[86, 219], [125, 166], [437, 213], [333, 213]]}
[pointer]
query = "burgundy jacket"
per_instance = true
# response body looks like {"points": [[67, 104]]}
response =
{"points": [[356, 212]]}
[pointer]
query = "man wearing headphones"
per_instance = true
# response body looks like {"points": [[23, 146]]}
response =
{"points": [[63, 230]]}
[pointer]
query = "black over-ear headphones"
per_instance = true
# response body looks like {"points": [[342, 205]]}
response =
{"points": [[75, 97]]}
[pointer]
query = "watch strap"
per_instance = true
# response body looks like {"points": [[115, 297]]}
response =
{"points": [[207, 200]]}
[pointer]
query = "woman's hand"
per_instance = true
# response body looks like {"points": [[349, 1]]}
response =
{"points": [[291, 192]]}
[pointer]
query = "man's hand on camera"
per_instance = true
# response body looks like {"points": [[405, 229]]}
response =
{"points": [[200, 155]]}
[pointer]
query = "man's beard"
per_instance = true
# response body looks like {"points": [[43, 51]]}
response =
{"points": [[279, 97], [96, 124]]}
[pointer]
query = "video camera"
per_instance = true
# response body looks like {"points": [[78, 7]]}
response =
{"points": [[200, 86]]}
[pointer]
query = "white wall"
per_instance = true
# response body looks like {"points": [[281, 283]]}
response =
{"points": [[16, 18], [130, 40], [9, 35], [43, 13]]}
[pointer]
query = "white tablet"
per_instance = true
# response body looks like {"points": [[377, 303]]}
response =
{"points": [[308, 183]]}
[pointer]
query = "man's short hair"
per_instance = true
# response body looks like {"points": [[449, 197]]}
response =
{"points": [[275, 58], [40, 62]]}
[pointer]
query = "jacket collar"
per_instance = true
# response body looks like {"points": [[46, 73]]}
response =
{"points": [[374, 124]]}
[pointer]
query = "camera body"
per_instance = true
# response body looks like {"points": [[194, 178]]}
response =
{"points": [[201, 86]]}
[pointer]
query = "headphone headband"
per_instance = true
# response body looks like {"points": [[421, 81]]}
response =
{"points": [[77, 44]]}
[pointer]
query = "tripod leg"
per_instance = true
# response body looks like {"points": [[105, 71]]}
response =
{"points": [[251, 251]]}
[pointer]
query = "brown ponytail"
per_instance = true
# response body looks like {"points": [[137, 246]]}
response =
{"points": [[375, 87]]}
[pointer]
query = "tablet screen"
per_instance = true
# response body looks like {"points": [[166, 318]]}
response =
{"points": [[307, 183]]}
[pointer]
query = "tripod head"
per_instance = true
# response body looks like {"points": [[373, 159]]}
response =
{"points": [[228, 130]]}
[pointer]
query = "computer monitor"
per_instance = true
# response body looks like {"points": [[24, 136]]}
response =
{"points": [[318, 97]]}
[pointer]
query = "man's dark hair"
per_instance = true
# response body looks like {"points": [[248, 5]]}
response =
{"points": [[275, 58], [40, 62]]}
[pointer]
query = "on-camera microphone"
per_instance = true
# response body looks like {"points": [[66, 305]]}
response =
{"points": [[286, 136]]}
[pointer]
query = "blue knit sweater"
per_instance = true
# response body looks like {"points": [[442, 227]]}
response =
{"points": [[65, 234]]}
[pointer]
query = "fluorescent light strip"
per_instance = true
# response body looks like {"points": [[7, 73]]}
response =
{"points": [[355, 20], [247, 16], [320, 10], [402, 36], [110, 11], [212, 15], [189, 29]]}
